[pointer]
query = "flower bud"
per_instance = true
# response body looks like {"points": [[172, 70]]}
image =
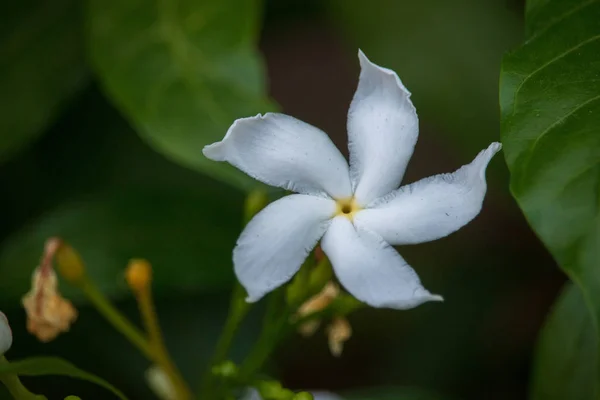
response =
{"points": [[339, 332], [5, 334], [68, 261], [303, 396], [317, 303], [138, 275], [160, 383]]}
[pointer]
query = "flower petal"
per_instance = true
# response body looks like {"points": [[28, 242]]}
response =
{"points": [[277, 240], [431, 208], [5, 334], [383, 128], [370, 269], [282, 151]]}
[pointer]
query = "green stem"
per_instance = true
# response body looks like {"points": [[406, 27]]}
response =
{"points": [[238, 309], [159, 349], [116, 319], [274, 329], [15, 387]]}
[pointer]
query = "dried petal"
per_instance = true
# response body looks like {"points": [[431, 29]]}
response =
{"points": [[48, 313], [339, 331]]}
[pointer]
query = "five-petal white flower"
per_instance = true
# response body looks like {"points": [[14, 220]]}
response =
{"points": [[357, 211]]}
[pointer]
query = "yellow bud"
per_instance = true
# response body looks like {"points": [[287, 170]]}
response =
{"points": [[138, 274], [68, 261]]}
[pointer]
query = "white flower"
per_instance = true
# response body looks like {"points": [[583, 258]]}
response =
{"points": [[5, 334], [357, 211]]}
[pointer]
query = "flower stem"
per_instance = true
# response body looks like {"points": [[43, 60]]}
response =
{"points": [[238, 309], [274, 328], [116, 318], [15, 387], [160, 354]]}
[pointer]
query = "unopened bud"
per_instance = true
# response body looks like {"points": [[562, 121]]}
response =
{"points": [[160, 383], [138, 275], [320, 301], [226, 369], [5, 334], [317, 303], [339, 332], [272, 390], [303, 396], [68, 261]]}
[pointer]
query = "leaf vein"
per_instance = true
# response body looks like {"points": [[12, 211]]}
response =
{"points": [[545, 65]]}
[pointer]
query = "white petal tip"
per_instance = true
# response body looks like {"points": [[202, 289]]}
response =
{"points": [[436, 297], [213, 151], [484, 157], [494, 147], [362, 57], [370, 70], [252, 299], [217, 151]]}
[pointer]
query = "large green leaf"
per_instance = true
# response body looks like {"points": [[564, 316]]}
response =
{"points": [[181, 71], [550, 103], [41, 66], [565, 367], [40, 366], [187, 236]]}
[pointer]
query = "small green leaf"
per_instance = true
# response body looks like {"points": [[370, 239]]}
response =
{"points": [[40, 366], [550, 103], [42, 66], [392, 393], [181, 71], [187, 236], [564, 365]]}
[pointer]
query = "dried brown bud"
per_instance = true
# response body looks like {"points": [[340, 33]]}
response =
{"points": [[339, 331], [48, 313], [317, 303]]}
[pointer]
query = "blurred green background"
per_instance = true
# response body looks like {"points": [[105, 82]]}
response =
{"points": [[84, 160]]}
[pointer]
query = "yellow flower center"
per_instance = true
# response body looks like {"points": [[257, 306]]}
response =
{"points": [[347, 208]]}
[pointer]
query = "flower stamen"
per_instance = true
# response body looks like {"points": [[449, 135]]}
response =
{"points": [[347, 208]]}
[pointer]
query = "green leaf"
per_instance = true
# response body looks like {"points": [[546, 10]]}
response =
{"points": [[181, 71], [550, 103], [187, 236], [392, 393], [40, 366], [563, 366], [42, 66]]}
